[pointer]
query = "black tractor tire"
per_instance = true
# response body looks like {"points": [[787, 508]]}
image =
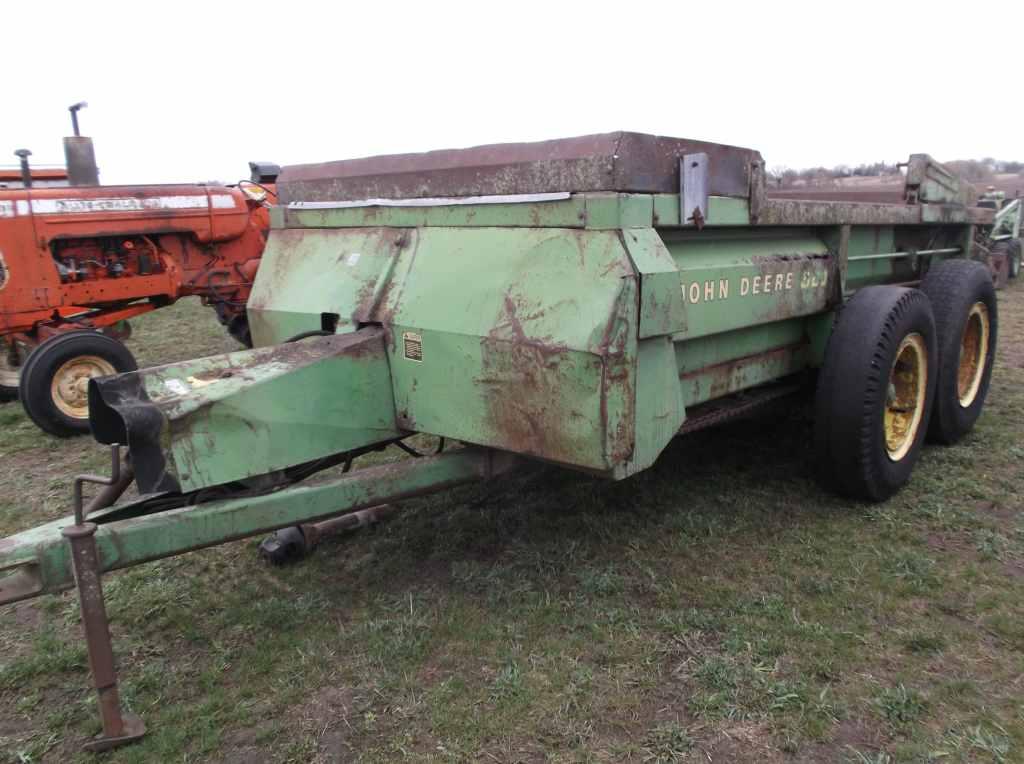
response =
{"points": [[1015, 257], [860, 388], [238, 328], [1000, 263], [52, 385], [967, 324]]}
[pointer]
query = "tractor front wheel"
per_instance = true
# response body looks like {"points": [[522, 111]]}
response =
{"points": [[54, 379]]}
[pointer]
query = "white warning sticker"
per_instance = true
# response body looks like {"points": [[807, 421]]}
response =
{"points": [[412, 343], [177, 387]]}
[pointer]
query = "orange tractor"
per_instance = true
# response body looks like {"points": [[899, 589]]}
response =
{"points": [[77, 262]]}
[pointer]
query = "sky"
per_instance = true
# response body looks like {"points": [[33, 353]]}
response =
{"points": [[191, 91]]}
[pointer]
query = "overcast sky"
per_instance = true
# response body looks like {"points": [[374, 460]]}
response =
{"points": [[187, 91]]}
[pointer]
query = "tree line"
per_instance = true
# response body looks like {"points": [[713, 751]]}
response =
{"points": [[975, 170]]}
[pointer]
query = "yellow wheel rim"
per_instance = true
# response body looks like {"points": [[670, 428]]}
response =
{"points": [[70, 386], [973, 354], [904, 404]]}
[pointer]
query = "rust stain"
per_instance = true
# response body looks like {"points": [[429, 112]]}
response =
{"points": [[514, 324], [521, 378], [715, 381], [616, 373], [798, 300]]}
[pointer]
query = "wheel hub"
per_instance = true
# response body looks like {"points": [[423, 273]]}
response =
{"points": [[973, 354], [905, 398], [70, 386]]}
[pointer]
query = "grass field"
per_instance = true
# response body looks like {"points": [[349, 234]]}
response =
{"points": [[719, 607]]}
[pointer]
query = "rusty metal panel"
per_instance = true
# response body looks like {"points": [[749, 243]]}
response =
{"points": [[775, 211], [621, 161], [493, 333], [739, 279], [930, 182], [881, 195], [659, 403], [743, 373], [207, 422], [308, 272], [661, 302], [545, 334]]}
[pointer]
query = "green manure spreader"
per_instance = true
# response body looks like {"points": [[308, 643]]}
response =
{"points": [[579, 302]]}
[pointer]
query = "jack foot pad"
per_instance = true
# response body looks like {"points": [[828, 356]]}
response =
{"points": [[134, 728]]}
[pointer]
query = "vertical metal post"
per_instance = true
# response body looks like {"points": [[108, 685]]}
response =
{"points": [[26, 173], [73, 108], [118, 728]]}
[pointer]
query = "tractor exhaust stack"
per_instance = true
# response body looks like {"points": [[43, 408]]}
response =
{"points": [[79, 154]]}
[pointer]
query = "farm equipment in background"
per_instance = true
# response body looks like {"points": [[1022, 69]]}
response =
{"points": [[1004, 241], [577, 302], [997, 245], [76, 263]]}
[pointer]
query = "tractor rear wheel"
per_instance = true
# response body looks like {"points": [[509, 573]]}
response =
{"points": [[875, 392], [1015, 256], [966, 322], [54, 379]]}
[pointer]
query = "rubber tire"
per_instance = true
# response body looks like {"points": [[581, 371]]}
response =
{"points": [[238, 329], [953, 286], [1015, 256], [44, 361], [849, 430], [1000, 249]]}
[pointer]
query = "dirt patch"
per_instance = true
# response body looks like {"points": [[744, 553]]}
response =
{"points": [[324, 718], [849, 735], [743, 742], [951, 543], [1014, 569], [1005, 514], [326, 715]]}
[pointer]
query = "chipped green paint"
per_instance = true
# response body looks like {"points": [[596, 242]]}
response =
{"points": [[502, 319], [580, 329]]}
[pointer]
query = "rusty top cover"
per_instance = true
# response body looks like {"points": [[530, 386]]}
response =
{"points": [[621, 161], [893, 194]]}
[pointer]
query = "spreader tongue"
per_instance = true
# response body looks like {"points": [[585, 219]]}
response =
{"points": [[240, 415]]}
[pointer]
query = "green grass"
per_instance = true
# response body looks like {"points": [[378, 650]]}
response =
{"points": [[719, 604]]}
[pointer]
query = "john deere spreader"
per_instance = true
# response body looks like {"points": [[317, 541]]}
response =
{"points": [[580, 302]]}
